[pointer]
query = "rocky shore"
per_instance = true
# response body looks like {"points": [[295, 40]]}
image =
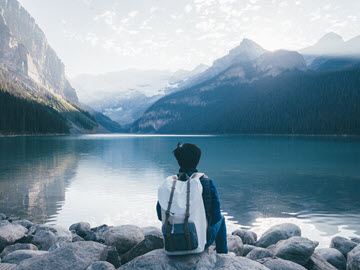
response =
{"points": [[36, 246]]}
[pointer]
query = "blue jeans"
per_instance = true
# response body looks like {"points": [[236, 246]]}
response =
{"points": [[217, 233]]}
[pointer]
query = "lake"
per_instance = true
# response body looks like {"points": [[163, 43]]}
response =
{"points": [[113, 179]]}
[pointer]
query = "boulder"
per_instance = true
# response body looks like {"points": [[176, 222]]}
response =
{"points": [[317, 262], [353, 251], [353, 262], [56, 246], [24, 222], [19, 255], [278, 232], [4, 222], [247, 237], [235, 245], [10, 233], [152, 231], [280, 264], [81, 228], [150, 243], [101, 266], [332, 256], [124, 237], [113, 257], [247, 249], [2, 216], [75, 237], [208, 260], [97, 234], [259, 253], [72, 256], [9, 249], [272, 248], [45, 236], [342, 244], [296, 249], [355, 239]]}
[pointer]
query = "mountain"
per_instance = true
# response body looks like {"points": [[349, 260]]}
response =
{"points": [[330, 44], [125, 95], [294, 102], [33, 80]]}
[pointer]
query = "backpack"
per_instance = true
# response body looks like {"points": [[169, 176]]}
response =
{"points": [[183, 215]]}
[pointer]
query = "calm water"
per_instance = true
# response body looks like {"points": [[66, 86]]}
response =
{"points": [[262, 180]]}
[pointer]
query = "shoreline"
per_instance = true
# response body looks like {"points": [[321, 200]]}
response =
{"points": [[40, 246]]}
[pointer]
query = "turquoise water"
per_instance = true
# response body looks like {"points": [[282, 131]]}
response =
{"points": [[113, 179]]}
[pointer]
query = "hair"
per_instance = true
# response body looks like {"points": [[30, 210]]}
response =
{"points": [[187, 155]]}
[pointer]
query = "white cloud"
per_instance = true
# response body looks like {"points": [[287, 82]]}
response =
{"points": [[188, 8], [132, 14]]}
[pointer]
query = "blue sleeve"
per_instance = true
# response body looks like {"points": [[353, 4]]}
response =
{"points": [[158, 210], [215, 202]]}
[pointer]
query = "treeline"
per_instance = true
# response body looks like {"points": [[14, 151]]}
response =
{"points": [[292, 103]]}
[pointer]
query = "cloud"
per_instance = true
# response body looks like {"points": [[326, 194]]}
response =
{"points": [[188, 8], [132, 14]]}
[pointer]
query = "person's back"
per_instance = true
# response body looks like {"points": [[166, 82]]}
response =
{"points": [[188, 157]]}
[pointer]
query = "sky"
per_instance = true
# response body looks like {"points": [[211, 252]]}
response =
{"points": [[99, 36]]}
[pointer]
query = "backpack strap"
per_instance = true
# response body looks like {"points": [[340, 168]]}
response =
{"points": [[187, 215], [205, 182], [167, 216]]}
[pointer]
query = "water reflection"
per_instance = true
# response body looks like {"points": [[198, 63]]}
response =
{"points": [[262, 180]]}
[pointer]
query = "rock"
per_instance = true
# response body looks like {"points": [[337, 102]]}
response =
{"points": [[45, 236], [353, 251], [81, 228], [272, 248], [235, 245], [158, 260], [332, 256], [19, 255], [4, 222], [75, 237], [150, 243], [247, 237], [277, 233], [124, 237], [296, 249], [56, 246], [24, 222], [72, 256], [317, 262], [280, 264], [2, 216], [97, 234], [9, 249], [342, 244], [355, 239], [152, 231], [10, 233], [247, 249], [113, 257], [101, 266], [259, 253], [354, 262]]}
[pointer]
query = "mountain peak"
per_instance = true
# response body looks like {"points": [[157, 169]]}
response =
{"points": [[330, 37], [247, 46]]}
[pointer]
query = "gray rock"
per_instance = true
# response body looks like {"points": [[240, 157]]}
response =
{"points": [[353, 251], [113, 257], [152, 231], [317, 262], [72, 256], [101, 266], [247, 249], [2, 216], [342, 244], [247, 237], [259, 253], [278, 232], [355, 239], [10, 233], [45, 236], [97, 234], [81, 228], [75, 237], [354, 262], [150, 243], [280, 264], [19, 255], [296, 249], [235, 245], [272, 248], [56, 246], [9, 249], [124, 237], [332, 256], [157, 260], [4, 222], [24, 222]]}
